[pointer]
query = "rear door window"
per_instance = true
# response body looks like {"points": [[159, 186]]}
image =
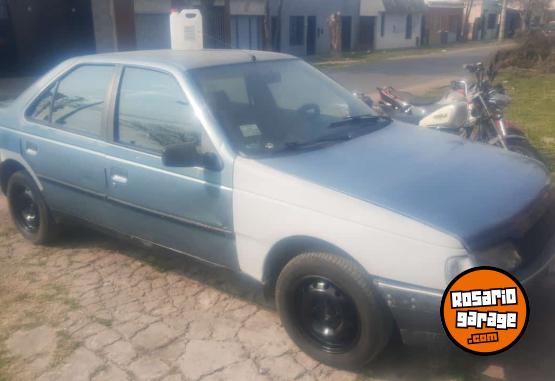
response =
{"points": [[80, 99]]}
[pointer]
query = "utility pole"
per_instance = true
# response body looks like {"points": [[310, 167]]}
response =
{"points": [[502, 21]]}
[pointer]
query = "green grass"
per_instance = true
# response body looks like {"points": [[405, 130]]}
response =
{"points": [[533, 107], [366, 57]]}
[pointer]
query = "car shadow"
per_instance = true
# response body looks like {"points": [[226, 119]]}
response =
{"points": [[164, 260], [530, 359]]}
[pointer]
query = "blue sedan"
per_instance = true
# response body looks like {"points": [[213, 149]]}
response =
{"points": [[257, 162]]}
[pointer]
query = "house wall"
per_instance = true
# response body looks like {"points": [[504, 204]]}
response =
{"points": [[394, 32], [104, 25], [153, 30], [442, 22], [479, 14], [371, 7], [247, 7], [152, 24], [322, 10]]}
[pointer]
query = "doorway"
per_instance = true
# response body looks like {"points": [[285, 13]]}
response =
{"points": [[366, 33], [44, 33], [311, 35], [7, 43], [346, 23]]}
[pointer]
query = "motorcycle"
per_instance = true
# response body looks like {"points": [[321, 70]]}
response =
{"points": [[471, 110]]}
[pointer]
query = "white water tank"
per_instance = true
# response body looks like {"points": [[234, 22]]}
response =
{"points": [[186, 29]]}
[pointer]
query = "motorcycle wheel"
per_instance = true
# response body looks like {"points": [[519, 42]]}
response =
{"points": [[524, 147]]}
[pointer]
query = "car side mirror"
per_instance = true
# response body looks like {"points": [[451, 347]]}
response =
{"points": [[185, 155]]}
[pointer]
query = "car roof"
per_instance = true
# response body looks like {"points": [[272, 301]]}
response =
{"points": [[185, 59]]}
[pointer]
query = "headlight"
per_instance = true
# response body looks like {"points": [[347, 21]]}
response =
{"points": [[504, 257]]}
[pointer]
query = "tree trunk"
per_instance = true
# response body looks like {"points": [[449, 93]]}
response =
{"points": [[276, 36], [503, 21], [465, 27], [267, 26], [334, 25]]}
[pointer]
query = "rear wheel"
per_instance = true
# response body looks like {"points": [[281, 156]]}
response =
{"points": [[28, 209], [330, 311]]}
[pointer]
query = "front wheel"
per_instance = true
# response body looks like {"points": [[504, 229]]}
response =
{"points": [[329, 309], [523, 147]]}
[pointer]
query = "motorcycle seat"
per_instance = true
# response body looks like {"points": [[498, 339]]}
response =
{"points": [[416, 100]]}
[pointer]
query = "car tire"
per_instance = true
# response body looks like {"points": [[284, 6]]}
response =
{"points": [[29, 210], [330, 310]]}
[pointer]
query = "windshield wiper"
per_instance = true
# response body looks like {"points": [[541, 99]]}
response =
{"points": [[294, 146], [358, 118]]}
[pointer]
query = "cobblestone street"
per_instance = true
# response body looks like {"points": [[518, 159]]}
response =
{"points": [[96, 308]]}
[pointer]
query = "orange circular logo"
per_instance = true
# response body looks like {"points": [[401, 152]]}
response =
{"points": [[484, 310]]}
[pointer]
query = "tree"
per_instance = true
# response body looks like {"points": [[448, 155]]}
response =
{"points": [[503, 20], [272, 37], [530, 10], [334, 24], [467, 10], [277, 35]]}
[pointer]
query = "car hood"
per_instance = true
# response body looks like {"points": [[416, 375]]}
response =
{"points": [[477, 193]]}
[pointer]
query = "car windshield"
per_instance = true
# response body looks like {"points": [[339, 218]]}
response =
{"points": [[282, 106]]}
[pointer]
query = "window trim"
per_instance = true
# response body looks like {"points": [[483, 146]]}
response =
{"points": [[55, 83], [114, 105], [52, 87]]}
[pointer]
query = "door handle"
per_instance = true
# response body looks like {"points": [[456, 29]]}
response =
{"points": [[31, 149], [119, 179]]}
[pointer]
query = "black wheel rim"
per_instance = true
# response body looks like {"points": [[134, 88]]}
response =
{"points": [[26, 210], [326, 314]]}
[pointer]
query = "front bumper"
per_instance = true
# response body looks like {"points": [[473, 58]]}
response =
{"points": [[416, 310]]}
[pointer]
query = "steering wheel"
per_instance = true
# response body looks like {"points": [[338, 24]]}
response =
{"points": [[309, 110]]}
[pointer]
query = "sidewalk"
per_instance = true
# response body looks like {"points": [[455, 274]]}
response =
{"points": [[354, 58]]}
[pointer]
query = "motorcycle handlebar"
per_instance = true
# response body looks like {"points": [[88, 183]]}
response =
{"points": [[474, 68]]}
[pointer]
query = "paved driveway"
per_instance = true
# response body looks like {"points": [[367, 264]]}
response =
{"points": [[96, 308]]}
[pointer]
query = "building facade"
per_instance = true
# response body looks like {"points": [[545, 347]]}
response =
{"points": [[390, 24], [303, 25], [442, 21], [483, 23], [38, 33]]}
